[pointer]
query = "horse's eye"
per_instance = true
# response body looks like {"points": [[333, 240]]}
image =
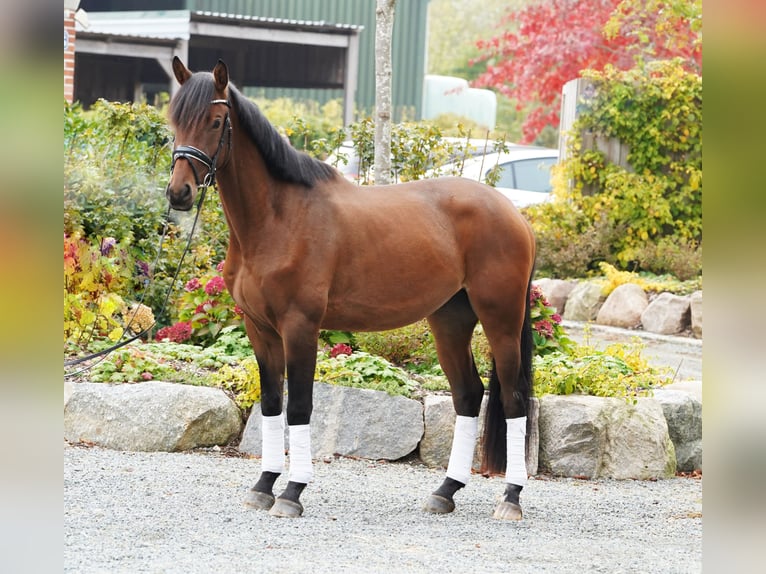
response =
{"points": [[216, 124]]}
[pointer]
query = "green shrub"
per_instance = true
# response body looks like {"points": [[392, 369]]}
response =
{"points": [[242, 381], [682, 259], [366, 371], [617, 371], [411, 347], [655, 111]]}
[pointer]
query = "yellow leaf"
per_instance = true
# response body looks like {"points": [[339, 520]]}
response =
{"points": [[115, 334]]}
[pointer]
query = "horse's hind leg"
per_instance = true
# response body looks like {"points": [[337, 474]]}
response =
{"points": [[452, 326], [506, 324]]}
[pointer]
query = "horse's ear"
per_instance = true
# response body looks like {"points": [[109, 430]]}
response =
{"points": [[221, 75], [182, 72]]}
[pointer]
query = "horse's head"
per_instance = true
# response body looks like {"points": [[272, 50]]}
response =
{"points": [[199, 113]]}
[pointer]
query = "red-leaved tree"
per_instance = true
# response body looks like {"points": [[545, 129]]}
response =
{"points": [[545, 44]]}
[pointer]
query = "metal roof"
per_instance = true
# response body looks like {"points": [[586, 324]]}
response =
{"points": [[176, 24]]}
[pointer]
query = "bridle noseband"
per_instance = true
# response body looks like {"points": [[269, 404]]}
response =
{"points": [[189, 153]]}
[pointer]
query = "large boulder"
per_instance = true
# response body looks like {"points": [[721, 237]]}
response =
{"points": [[439, 416], [695, 301], [352, 422], [623, 307], [583, 302], [592, 437], [556, 291], [150, 416], [683, 413], [668, 314]]}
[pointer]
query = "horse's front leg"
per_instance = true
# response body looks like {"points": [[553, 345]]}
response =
{"points": [[301, 353], [269, 353]]}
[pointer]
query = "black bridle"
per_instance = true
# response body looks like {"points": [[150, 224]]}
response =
{"points": [[189, 153]]}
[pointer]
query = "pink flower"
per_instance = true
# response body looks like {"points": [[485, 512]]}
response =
{"points": [[556, 318], [239, 311], [340, 349], [215, 286], [536, 294], [192, 285], [219, 267], [544, 328], [177, 333], [147, 376]]}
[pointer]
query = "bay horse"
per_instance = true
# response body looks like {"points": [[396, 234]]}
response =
{"points": [[309, 250]]}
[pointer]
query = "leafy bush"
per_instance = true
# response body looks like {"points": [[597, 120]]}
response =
{"points": [[617, 371], [613, 278], [569, 243], [313, 128], [242, 380], [656, 112], [139, 361], [363, 370], [548, 334], [411, 347], [93, 275], [682, 259], [206, 307]]}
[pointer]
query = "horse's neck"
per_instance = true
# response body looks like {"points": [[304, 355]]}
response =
{"points": [[246, 190]]}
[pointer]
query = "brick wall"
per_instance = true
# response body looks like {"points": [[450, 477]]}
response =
{"points": [[69, 37]]}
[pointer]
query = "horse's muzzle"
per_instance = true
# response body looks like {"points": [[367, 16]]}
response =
{"points": [[181, 199]]}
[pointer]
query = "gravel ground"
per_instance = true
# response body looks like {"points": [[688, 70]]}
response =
{"points": [[183, 512]]}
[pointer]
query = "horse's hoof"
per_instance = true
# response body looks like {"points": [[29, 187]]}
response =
{"points": [[259, 500], [284, 508], [507, 511], [436, 504]]}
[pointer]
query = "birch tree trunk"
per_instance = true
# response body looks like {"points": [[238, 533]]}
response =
{"points": [[384, 26]]}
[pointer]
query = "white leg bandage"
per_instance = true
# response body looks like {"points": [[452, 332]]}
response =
{"points": [[516, 466], [463, 445], [301, 469], [273, 443]]}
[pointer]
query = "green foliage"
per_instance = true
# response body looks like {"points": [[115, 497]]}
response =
{"points": [[113, 155], [172, 362], [645, 216], [310, 127], [682, 259], [332, 338], [243, 380], [613, 278], [656, 112], [135, 363], [411, 347], [366, 371], [617, 371]]}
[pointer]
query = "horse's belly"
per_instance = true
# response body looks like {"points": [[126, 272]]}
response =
{"points": [[383, 307]]}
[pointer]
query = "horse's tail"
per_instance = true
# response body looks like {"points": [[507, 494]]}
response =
{"points": [[494, 442]]}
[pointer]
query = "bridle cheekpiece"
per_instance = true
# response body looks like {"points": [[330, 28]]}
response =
{"points": [[189, 153]]}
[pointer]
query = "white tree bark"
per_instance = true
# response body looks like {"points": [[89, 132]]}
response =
{"points": [[384, 26]]}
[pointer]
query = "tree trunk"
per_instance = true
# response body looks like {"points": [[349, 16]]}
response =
{"points": [[384, 26]]}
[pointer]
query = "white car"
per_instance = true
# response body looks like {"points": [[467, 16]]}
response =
{"points": [[525, 172]]}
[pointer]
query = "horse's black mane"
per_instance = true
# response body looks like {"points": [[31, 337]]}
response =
{"points": [[190, 105]]}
